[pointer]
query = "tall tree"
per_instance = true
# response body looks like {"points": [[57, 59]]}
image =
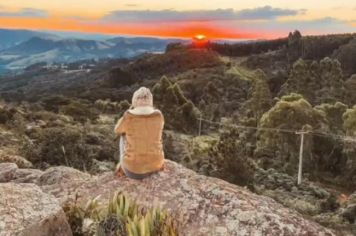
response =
{"points": [[350, 86], [180, 113], [349, 147], [280, 149], [294, 48], [261, 98], [317, 82]]}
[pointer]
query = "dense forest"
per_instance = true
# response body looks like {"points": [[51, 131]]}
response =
{"points": [[231, 112]]}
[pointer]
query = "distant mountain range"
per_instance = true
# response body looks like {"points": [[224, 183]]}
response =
{"points": [[10, 38], [21, 48]]}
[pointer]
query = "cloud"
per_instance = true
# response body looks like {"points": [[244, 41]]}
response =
{"points": [[279, 28], [326, 24], [259, 13], [25, 12], [131, 5], [267, 12]]}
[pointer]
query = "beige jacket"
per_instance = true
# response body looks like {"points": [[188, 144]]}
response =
{"points": [[142, 127]]}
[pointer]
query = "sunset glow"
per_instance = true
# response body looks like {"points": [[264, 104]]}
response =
{"points": [[169, 29], [200, 37], [219, 20]]}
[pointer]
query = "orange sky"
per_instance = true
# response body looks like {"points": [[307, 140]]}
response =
{"points": [[168, 29], [247, 20]]}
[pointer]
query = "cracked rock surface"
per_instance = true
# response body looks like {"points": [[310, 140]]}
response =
{"points": [[27, 211], [202, 205]]}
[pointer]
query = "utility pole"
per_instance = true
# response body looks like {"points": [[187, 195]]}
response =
{"points": [[301, 150], [200, 120]]}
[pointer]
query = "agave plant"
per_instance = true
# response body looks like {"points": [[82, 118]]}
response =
{"points": [[154, 223], [121, 217], [92, 210], [138, 226], [122, 206]]}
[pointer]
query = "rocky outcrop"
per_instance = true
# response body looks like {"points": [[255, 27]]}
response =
{"points": [[202, 205], [26, 211], [18, 160], [9, 172]]}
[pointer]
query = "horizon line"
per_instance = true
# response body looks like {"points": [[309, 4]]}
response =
{"points": [[157, 36]]}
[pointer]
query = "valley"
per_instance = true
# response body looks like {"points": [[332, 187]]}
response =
{"points": [[32, 47]]}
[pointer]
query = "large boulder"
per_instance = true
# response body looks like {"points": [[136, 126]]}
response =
{"points": [[202, 205], [25, 210], [9, 172], [62, 180], [18, 160]]}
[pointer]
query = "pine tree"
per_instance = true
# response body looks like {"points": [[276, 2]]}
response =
{"points": [[294, 46], [317, 82], [261, 98], [181, 114]]}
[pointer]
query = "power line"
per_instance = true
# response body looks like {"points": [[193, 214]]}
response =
{"points": [[300, 133], [335, 136], [320, 134], [250, 127]]}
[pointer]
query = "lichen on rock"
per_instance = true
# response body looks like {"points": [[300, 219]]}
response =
{"points": [[27, 211], [202, 205]]}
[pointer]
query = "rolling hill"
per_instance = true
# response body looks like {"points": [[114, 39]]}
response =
{"points": [[22, 51], [10, 38]]}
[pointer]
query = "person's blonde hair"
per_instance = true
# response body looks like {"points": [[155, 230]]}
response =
{"points": [[142, 97]]}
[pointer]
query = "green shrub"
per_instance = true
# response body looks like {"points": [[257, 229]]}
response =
{"points": [[349, 125], [303, 206], [119, 77], [330, 204], [349, 118], [123, 106], [80, 112], [107, 106], [233, 153], [58, 146], [53, 103], [69, 145], [333, 113], [350, 86], [281, 149], [18, 122], [5, 116]]}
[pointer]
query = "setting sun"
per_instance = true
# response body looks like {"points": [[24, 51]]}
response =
{"points": [[200, 37]]}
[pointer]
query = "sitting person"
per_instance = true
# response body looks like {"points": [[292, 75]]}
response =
{"points": [[140, 130]]}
